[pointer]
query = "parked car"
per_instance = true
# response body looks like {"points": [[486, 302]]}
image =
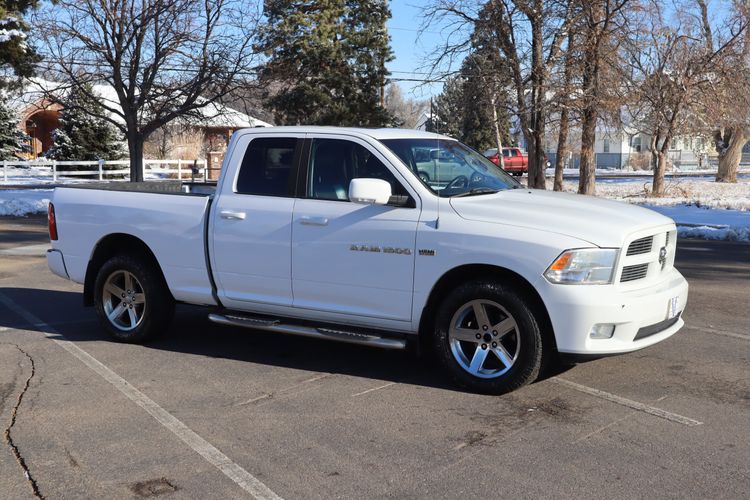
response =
{"points": [[516, 162], [330, 233]]}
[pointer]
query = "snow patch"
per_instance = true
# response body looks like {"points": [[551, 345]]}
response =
{"points": [[21, 202]]}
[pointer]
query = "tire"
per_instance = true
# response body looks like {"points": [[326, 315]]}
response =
{"points": [[133, 286], [508, 330], [424, 176]]}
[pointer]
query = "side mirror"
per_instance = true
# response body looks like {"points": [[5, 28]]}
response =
{"points": [[369, 191]]}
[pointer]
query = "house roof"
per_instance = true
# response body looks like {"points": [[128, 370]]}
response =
{"points": [[213, 115]]}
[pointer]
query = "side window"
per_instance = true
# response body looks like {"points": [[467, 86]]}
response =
{"points": [[267, 167], [506, 152], [335, 162]]}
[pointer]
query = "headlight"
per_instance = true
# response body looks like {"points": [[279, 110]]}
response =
{"points": [[587, 266]]}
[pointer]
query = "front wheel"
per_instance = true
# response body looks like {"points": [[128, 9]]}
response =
{"points": [[487, 338], [131, 299]]}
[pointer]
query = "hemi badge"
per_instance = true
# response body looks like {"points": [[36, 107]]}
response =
{"points": [[426, 252]]}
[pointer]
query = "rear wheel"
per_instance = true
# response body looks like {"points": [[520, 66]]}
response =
{"points": [[487, 338], [131, 299]]}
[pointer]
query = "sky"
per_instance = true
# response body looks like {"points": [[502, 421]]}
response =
{"points": [[411, 49]]}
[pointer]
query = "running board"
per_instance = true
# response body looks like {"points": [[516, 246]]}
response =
{"points": [[275, 325]]}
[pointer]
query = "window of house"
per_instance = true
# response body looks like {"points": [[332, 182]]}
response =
{"points": [[635, 143], [267, 166], [335, 162], [606, 145]]}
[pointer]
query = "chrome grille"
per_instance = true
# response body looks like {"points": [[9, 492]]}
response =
{"points": [[640, 246], [632, 273]]}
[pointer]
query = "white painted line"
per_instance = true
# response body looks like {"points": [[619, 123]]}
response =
{"points": [[374, 389], [210, 453], [635, 405], [28, 250], [719, 332], [259, 398]]}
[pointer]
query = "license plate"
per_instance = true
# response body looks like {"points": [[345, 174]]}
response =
{"points": [[672, 307]]}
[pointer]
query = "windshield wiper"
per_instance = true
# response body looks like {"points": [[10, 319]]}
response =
{"points": [[476, 191]]}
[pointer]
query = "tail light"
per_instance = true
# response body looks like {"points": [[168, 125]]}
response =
{"points": [[52, 222]]}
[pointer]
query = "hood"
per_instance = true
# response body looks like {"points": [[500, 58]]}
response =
{"points": [[604, 223]]}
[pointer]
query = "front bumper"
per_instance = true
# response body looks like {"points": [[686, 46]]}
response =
{"points": [[575, 309]]}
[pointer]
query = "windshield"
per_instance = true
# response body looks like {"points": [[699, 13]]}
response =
{"points": [[450, 168]]}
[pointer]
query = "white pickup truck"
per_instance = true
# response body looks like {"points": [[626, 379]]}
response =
{"points": [[332, 233]]}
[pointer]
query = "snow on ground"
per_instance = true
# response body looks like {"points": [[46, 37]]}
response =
{"points": [[24, 201], [683, 191], [701, 208], [707, 224]]}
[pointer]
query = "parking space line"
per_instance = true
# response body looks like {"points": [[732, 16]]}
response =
{"points": [[210, 453], [718, 332], [374, 389], [635, 405], [39, 250]]}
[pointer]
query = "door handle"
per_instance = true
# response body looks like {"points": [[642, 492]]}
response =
{"points": [[313, 221], [229, 214]]}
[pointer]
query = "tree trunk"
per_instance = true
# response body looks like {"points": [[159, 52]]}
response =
{"points": [[498, 136], [587, 178], [562, 149], [537, 174], [729, 144], [660, 168], [135, 149], [590, 114], [562, 136]]}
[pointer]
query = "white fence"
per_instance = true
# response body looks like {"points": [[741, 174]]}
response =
{"points": [[45, 171]]}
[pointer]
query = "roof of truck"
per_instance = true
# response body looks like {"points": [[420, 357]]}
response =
{"points": [[375, 133]]}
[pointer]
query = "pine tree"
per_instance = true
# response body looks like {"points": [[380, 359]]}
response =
{"points": [[82, 135], [15, 54], [13, 141], [326, 60]]}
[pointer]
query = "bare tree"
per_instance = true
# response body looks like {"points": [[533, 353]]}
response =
{"points": [[407, 111], [164, 59], [529, 33], [673, 67], [729, 107], [600, 20]]}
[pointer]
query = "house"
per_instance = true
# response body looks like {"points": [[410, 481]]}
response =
{"points": [[627, 148], [38, 107]]}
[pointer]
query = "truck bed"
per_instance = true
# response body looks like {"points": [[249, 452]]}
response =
{"points": [[168, 218]]}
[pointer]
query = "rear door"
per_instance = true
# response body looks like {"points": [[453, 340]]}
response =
{"points": [[348, 258], [251, 230]]}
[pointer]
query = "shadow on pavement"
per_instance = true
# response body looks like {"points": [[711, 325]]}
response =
{"points": [[192, 333]]}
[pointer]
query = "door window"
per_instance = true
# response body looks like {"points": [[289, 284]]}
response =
{"points": [[335, 162], [267, 167]]}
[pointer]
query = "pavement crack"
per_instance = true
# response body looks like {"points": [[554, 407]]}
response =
{"points": [[13, 417]]}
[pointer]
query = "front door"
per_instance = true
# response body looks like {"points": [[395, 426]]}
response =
{"points": [[252, 223], [348, 258]]}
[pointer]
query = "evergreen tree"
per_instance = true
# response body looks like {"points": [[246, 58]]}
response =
{"points": [[13, 141], [15, 54], [82, 135], [447, 115], [326, 60]]}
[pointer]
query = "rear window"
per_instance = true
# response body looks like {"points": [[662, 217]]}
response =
{"points": [[267, 167]]}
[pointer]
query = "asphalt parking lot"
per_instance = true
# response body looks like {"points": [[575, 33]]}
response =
{"points": [[217, 412]]}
